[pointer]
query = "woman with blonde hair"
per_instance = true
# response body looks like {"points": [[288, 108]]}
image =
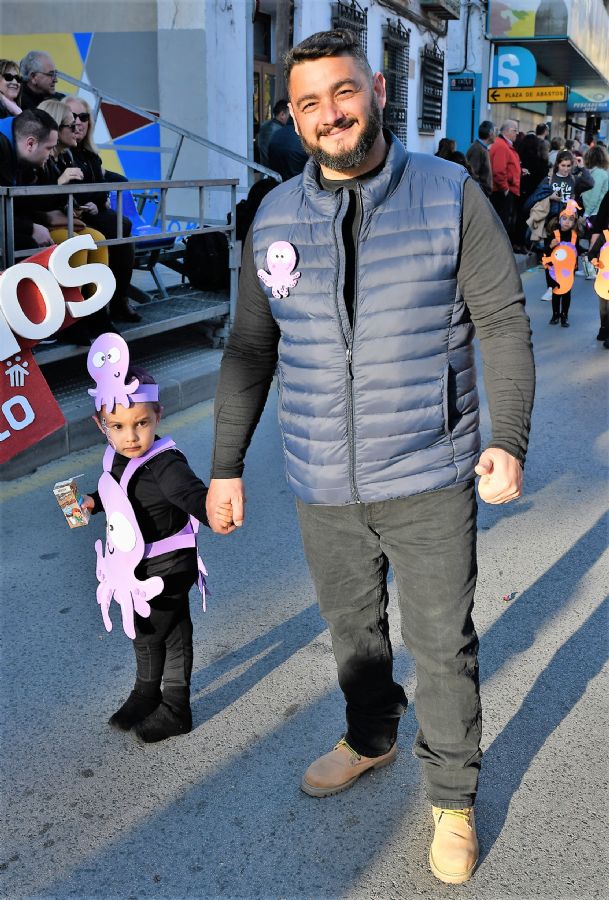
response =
{"points": [[96, 212], [10, 87], [52, 210]]}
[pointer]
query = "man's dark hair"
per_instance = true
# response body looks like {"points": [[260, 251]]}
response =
{"points": [[485, 129], [569, 144], [280, 107], [541, 129], [33, 123], [340, 42]]}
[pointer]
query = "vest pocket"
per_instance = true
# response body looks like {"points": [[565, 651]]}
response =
{"points": [[451, 413]]}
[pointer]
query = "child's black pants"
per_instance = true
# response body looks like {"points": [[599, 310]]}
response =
{"points": [[163, 648]]}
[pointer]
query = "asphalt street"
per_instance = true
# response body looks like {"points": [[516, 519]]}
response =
{"points": [[88, 812]]}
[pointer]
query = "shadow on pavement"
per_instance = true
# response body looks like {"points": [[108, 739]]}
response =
{"points": [[516, 630], [278, 645], [552, 697]]}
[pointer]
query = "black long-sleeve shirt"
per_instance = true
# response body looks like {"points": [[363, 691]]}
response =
{"points": [[492, 290], [163, 492]]}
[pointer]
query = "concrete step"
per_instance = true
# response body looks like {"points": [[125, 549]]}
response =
{"points": [[183, 308]]}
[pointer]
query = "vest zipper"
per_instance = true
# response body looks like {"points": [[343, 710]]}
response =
{"points": [[351, 422]]}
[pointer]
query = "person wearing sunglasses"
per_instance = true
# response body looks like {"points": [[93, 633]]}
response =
{"points": [[10, 85], [95, 210], [39, 77], [61, 169]]}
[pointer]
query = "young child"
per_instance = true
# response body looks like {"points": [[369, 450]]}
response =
{"points": [[153, 503], [560, 261]]}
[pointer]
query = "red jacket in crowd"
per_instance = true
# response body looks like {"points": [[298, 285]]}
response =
{"points": [[505, 164]]}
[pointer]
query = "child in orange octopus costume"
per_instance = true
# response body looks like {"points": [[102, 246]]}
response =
{"points": [[560, 260]]}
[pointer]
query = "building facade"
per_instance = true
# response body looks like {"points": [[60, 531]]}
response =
{"points": [[530, 60], [214, 68]]}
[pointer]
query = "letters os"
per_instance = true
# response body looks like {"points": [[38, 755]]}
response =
{"points": [[13, 321]]}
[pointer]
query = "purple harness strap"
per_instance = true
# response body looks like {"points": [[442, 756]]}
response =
{"points": [[185, 539], [181, 540], [159, 446]]}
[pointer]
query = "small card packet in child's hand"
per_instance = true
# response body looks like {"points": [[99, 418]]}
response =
{"points": [[71, 502]]}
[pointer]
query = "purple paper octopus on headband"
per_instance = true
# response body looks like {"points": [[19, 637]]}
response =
{"points": [[107, 362]]}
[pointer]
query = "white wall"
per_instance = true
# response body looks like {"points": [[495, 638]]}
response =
{"points": [[479, 50]]}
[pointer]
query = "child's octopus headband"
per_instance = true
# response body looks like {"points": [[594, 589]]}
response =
{"points": [[571, 208], [107, 363]]}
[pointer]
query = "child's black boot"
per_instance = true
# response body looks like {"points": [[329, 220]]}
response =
{"points": [[171, 717], [564, 321], [555, 319], [134, 710]]}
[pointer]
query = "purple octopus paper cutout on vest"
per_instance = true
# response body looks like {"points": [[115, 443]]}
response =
{"points": [[107, 364], [280, 260], [124, 551]]}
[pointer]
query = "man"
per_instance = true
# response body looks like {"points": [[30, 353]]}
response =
{"points": [[39, 75], [478, 158], [397, 255], [286, 155], [26, 142], [505, 165], [281, 114]]}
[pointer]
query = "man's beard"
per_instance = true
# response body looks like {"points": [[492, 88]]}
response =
{"points": [[354, 158]]}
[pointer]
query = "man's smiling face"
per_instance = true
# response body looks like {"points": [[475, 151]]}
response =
{"points": [[337, 107]]}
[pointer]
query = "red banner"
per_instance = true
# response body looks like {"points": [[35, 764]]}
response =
{"points": [[28, 409]]}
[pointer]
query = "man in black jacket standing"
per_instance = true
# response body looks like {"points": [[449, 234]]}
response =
{"points": [[478, 157]]}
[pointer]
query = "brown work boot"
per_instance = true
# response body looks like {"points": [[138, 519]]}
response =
{"points": [[454, 850], [338, 770]]}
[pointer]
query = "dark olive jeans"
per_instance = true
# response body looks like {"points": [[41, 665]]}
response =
{"points": [[430, 542]]}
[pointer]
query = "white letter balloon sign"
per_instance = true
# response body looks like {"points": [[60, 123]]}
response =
{"points": [[36, 298], [14, 322]]}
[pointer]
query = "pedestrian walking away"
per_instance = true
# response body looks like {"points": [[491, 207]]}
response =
{"points": [[364, 277]]}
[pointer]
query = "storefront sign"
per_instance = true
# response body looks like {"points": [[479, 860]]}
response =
{"points": [[514, 67], [38, 297], [589, 99], [546, 94]]}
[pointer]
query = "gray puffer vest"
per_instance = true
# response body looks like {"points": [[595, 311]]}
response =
{"points": [[388, 408]]}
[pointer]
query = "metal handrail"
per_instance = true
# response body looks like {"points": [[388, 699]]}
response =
{"points": [[170, 126], [8, 194]]}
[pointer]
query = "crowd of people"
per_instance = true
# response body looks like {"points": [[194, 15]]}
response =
{"points": [[546, 193], [527, 177], [46, 138]]}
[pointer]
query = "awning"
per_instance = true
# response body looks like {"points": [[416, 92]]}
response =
{"points": [[562, 62]]}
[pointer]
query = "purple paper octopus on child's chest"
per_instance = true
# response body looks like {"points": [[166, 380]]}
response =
{"points": [[124, 550]]}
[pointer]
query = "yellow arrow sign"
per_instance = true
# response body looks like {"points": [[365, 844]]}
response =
{"points": [[540, 94]]}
